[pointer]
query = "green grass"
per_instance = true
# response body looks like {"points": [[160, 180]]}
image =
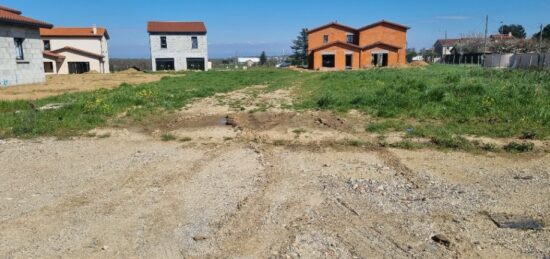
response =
{"points": [[168, 137], [87, 110], [439, 101]]}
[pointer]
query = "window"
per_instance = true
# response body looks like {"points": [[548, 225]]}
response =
{"points": [[79, 67], [19, 55], [48, 67], [47, 45], [329, 61], [194, 43], [325, 39], [351, 38], [163, 43]]}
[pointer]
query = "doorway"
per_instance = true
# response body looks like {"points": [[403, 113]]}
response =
{"points": [[349, 61], [165, 64], [380, 59], [79, 67], [195, 64], [329, 61]]}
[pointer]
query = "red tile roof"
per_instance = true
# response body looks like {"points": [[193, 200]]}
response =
{"points": [[380, 43], [447, 42], [79, 51], [332, 24], [12, 16], [11, 10], [53, 55], [74, 32], [182, 27], [384, 22], [360, 29], [346, 44]]}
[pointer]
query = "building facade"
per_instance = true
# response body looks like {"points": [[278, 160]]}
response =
{"points": [[75, 50], [337, 46], [20, 48], [178, 46]]}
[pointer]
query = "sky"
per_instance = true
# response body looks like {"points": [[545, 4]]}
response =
{"points": [[247, 27]]}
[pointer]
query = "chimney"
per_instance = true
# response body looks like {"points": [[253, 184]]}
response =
{"points": [[94, 29]]}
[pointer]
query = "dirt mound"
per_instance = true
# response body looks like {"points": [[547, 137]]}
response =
{"points": [[131, 70], [259, 120], [419, 64]]}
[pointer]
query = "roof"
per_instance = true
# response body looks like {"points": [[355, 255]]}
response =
{"points": [[11, 10], [360, 29], [502, 36], [332, 24], [384, 22], [380, 43], [53, 55], [447, 42], [12, 16], [74, 32], [175, 27], [336, 43], [79, 51]]}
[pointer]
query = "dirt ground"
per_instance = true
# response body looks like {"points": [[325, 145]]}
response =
{"points": [[247, 178], [60, 84]]}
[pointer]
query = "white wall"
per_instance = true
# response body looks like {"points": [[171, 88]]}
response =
{"points": [[179, 48], [28, 71], [97, 46]]}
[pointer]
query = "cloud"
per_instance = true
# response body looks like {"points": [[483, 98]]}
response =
{"points": [[453, 17]]}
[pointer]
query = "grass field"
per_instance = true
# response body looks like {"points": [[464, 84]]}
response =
{"points": [[440, 100], [437, 102]]}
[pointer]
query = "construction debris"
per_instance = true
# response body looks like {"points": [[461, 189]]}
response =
{"points": [[516, 222]]}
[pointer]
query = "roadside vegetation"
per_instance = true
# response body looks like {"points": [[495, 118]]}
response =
{"points": [[440, 103]]}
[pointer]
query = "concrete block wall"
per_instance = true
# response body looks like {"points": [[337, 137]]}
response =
{"points": [[31, 69], [179, 48]]}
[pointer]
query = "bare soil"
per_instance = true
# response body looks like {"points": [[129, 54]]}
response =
{"points": [[60, 84], [248, 178]]}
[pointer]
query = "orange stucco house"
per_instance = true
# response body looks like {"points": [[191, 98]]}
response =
{"points": [[336, 46]]}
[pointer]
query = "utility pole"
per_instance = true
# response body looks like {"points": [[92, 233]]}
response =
{"points": [[540, 39], [486, 32]]}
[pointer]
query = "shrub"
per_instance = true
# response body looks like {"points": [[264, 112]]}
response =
{"points": [[515, 147], [168, 137], [454, 142]]}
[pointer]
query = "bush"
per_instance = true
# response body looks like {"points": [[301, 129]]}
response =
{"points": [[515, 147], [455, 142]]}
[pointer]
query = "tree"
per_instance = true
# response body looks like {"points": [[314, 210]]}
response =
{"points": [[517, 30], [263, 58], [300, 46], [411, 53], [545, 33]]}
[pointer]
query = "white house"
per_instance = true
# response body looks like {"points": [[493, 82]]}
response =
{"points": [[20, 48], [246, 60], [75, 50], [178, 45]]}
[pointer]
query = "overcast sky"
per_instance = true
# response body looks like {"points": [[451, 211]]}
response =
{"points": [[246, 27]]}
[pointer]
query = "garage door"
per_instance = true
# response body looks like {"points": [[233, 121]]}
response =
{"points": [[165, 63], [195, 64]]}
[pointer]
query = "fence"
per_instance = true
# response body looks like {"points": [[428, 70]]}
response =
{"points": [[466, 59], [521, 61]]}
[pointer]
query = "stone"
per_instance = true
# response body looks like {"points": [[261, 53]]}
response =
{"points": [[200, 237], [442, 240], [516, 222]]}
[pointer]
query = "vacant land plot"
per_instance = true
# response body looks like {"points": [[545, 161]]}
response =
{"points": [[279, 164], [60, 84]]}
